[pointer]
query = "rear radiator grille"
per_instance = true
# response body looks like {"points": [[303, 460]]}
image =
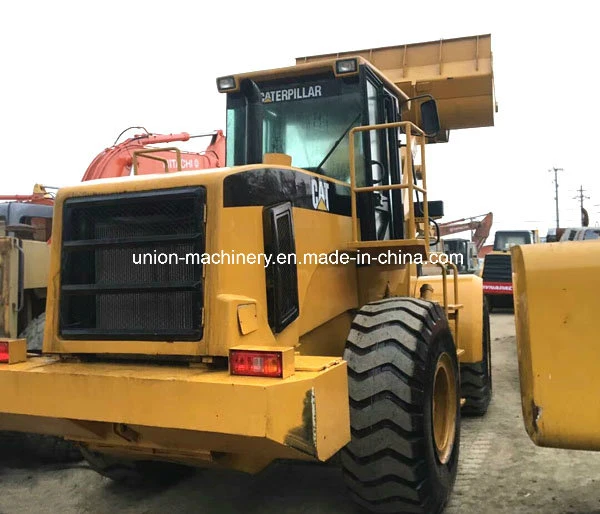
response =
{"points": [[497, 268], [125, 274]]}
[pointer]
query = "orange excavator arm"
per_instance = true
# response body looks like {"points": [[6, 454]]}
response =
{"points": [[480, 228], [133, 154], [39, 196], [34, 198]]}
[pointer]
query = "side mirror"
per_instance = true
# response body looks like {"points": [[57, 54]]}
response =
{"points": [[430, 121]]}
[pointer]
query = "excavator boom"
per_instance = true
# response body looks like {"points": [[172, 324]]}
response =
{"points": [[134, 155], [480, 228]]}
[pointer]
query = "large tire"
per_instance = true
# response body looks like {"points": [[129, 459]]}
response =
{"points": [[135, 473], [392, 463], [476, 378], [488, 299], [45, 447]]}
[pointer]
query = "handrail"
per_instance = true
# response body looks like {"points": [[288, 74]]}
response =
{"points": [[444, 269], [145, 151], [367, 189], [444, 286], [408, 177], [455, 274]]}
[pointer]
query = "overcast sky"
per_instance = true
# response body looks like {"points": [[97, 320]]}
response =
{"points": [[75, 74]]}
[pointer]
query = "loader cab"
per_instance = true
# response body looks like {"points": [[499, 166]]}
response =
{"points": [[463, 253], [307, 117]]}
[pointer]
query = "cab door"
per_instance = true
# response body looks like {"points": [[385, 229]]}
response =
{"points": [[380, 212]]}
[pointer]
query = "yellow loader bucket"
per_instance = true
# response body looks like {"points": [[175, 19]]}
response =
{"points": [[557, 316]]}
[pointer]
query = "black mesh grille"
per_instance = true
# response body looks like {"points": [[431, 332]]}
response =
{"points": [[497, 268], [282, 277], [286, 299], [129, 269]]}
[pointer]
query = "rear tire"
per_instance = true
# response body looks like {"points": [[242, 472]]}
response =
{"points": [[489, 301], [395, 461], [49, 448], [135, 473], [476, 378]]}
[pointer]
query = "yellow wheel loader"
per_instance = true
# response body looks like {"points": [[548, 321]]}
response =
{"points": [[272, 308]]}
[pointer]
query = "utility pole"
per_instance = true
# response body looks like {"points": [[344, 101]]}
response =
{"points": [[581, 198], [556, 170]]}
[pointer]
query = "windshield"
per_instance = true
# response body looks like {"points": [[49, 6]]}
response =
{"points": [[308, 120], [505, 240]]}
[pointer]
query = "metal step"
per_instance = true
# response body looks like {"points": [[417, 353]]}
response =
{"points": [[453, 309]]}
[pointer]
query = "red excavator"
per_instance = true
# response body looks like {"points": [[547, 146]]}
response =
{"points": [[134, 155], [479, 226]]}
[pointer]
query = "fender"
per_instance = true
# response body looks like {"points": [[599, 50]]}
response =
{"points": [[470, 295]]}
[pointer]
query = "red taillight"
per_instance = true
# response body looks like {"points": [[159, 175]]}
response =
{"points": [[4, 357], [256, 364], [13, 351]]}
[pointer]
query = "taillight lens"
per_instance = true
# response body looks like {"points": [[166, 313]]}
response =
{"points": [[256, 364], [3, 352]]}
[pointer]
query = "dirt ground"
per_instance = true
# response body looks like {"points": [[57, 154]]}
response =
{"points": [[501, 471]]}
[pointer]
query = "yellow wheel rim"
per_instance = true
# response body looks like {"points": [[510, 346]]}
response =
{"points": [[444, 408]]}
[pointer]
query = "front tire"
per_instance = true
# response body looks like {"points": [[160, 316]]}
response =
{"points": [[404, 407]]}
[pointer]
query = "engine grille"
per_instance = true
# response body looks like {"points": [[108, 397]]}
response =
{"points": [[124, 271], [497, 268]]}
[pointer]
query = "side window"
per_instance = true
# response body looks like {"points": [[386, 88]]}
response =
{"points": [[378, 164], [235, 130], [374, 136], [2, 226]]}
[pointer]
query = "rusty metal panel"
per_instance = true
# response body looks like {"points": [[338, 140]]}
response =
{"points": [[36, 260], [9, 286], [456, 72]]}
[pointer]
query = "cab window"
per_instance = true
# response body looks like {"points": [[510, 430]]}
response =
{"points": [[308, 120]]}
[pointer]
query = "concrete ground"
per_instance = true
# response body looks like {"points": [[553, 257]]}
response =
{"points": [[501, 471]]}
